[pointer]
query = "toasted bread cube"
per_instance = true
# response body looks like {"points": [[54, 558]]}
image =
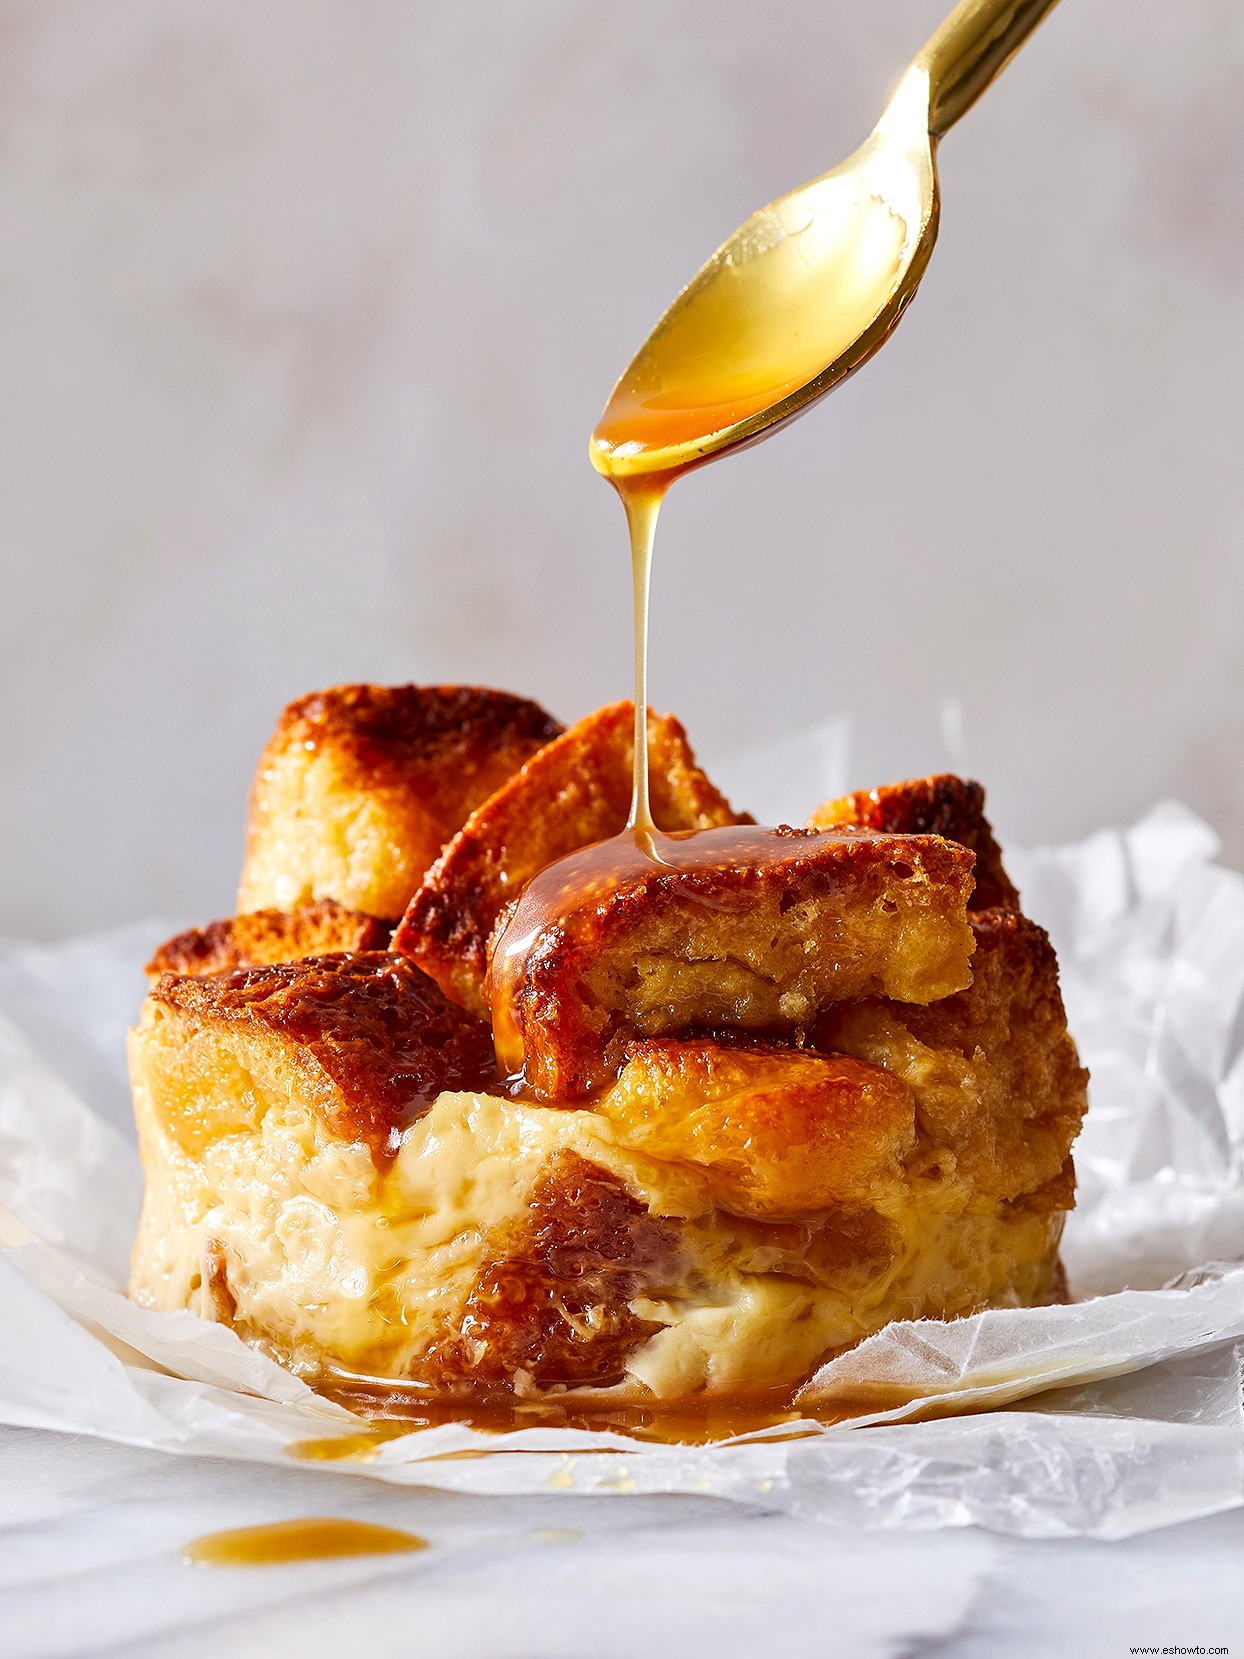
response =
{"points": [[261, 937], [366, 1042], [361, 786], [999, 1088], [939, 805], [744, 929], [783, 1134], [574, 792]]}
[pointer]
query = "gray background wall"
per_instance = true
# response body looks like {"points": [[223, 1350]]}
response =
{"points": [[306, 311]]}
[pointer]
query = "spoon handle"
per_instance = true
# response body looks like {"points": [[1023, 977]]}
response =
{"points": [[977, 41]]}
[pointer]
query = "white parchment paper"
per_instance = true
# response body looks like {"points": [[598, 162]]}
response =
{"points": [[1115, 1414]]}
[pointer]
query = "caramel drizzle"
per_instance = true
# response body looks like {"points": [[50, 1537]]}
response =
{"points": [[642, 500]]}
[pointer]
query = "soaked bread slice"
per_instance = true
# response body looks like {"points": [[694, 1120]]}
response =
{"points": [[361, 786], [939, 805], [573, 793], [365, 1042], [745, 929], [260, 937], [998, 1085]]}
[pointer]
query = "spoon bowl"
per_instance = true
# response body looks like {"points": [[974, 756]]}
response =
{"points": [[813, 284]]}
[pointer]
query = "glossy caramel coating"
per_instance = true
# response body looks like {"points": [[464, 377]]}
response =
{"points": [[745, 928], [366, 1040], [999, 1088], [940, 805], [574, 792], [261, 937], [361, 786], [782, 1134], [553, 1300]]}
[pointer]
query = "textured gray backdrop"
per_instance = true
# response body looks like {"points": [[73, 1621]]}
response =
{"points": [[306, 310]]}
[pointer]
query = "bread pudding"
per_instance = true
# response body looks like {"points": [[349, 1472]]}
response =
{"points": [[684, 1121]]}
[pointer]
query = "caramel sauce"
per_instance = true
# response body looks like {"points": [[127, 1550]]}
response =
{"points": [[697, 1420], [642, 501], [317, 1538], [763, 319], [396, 1410], [342, 1448]]}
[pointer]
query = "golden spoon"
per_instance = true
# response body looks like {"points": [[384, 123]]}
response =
{"points": [[812, 285]]}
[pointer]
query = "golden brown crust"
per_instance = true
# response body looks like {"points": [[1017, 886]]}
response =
{"points": [[780, 1133], [449, 737], [939, 805], [552, 1301], [572, 793], [750, 929], [266, 936], [361, 786], [379, 1030], [997, 1080]]}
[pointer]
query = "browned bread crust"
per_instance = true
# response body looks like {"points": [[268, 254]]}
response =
{"points": [[998, 1084], [751, 929], [938, 805], [361, 786], [572, 793], [266, 936], [366, 1039]]}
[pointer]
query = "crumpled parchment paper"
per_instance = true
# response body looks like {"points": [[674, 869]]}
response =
{"points": [[1118, 1413]]}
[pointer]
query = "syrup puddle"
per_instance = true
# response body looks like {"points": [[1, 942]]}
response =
{"points": [[317, 1538], [394, 1412]]}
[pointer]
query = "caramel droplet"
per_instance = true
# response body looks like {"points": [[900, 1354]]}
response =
{"points": [[314, 1539]]}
